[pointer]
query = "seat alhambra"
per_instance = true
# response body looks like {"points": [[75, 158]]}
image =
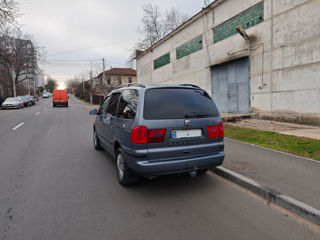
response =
{"points": [[157, 130]]}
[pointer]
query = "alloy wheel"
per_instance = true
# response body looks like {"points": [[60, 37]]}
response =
{"points": [[120, 166], [95, 140]]}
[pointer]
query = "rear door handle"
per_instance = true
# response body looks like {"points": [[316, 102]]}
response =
{"points": [[187, 152]]}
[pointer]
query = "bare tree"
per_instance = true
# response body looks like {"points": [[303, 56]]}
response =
{"points": [[156, 24], [19, 53], [153, 27], [98, 85], [173, 19], [51, 84], [8, 11]]}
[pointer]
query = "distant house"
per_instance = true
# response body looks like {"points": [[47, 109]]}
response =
{"points": [[115, 77]]}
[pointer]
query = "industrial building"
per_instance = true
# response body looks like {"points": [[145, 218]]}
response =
{"points": [[272, 68]]}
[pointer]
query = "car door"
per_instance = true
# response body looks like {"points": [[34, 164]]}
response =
{"points": [[126, 113], [99, 124], [108, 122]]}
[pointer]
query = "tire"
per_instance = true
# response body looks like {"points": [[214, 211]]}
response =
{"points": [[53, 105], [96, 142], [67, 105], [125, 176]]}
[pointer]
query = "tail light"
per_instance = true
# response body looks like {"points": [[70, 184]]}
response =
{"points": [[221, 130], [215, 131], [141, 135], [156, 135]]}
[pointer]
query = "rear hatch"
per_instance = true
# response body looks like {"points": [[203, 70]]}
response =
{"points": [[178, 121], [60, 96]]}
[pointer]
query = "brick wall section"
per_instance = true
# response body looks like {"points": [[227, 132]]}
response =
{"points": [[190, 47], [161, 61], [246, 19]]}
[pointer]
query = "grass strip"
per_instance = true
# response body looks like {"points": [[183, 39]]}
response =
{"points": [[300, 146]]}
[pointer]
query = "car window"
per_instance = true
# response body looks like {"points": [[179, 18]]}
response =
{"points": [[178, 103], [128, 104], [112, 106], [103, 107]]}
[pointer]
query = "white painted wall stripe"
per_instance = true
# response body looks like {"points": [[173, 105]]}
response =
{"points": [[37, 113]]}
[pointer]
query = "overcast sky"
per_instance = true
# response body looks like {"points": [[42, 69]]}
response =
{"points": [[88, 30]]}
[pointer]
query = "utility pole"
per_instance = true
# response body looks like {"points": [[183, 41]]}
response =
{"points": [[34, 87], [82, 87], [14, 83], [103, 72], [91, 87], [34, 83], [28, 86]]}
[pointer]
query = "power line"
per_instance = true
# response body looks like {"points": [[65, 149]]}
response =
{"points": [[78, 61], [72, 60], [81, 49]]}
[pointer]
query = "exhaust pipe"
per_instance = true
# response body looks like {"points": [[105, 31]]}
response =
{"points": [[193, 173]]}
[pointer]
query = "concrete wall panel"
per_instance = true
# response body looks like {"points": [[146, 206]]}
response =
{"points": [[298, 24], [304, 101], [299, 78]]}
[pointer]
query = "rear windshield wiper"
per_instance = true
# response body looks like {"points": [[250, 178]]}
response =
{"points": [[199, 115]]}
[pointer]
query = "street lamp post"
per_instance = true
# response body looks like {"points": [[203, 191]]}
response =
{"points": [[246, 37]]}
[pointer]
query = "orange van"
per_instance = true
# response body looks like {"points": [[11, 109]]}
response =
{"points": [[60, 97]]}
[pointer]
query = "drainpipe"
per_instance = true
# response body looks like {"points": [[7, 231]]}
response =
{"points": [[246, 37]]}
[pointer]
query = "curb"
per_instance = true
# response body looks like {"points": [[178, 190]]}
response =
{"points": [[301, 209]]}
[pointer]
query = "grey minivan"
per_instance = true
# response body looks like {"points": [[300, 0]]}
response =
{"points": [[158, 130]]}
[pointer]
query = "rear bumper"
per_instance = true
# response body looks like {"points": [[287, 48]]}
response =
{"points": [[163, 167], [60, 103]]}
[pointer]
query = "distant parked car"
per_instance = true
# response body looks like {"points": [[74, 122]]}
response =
{"points": [[13, 102], [26, 101], [46, 95], [31, 99]]}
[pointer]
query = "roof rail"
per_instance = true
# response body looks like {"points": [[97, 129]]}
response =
{"points": [[190, 85], [129, 84]]}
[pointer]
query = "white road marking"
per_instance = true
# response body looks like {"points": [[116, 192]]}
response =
{"points": [[19, 125], [37, 113]]}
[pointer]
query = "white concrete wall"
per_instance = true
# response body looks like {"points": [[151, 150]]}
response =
{"points": [[285, 56]]}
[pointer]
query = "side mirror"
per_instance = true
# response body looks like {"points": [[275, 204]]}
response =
{"points": [[94, 112]]}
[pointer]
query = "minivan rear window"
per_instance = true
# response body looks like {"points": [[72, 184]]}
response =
{"points": [[178, 103]]}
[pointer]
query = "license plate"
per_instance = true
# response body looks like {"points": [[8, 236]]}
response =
{"points": [[186, 133]]}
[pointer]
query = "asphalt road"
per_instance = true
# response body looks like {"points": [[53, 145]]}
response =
{"points": [[54, 185]]}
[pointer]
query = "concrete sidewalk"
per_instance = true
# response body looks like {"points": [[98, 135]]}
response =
{"points": [[294, 176], [279, 127]]}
